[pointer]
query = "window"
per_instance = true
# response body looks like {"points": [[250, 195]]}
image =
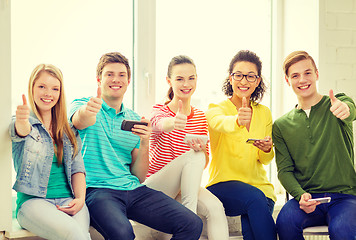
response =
{"points": [[71, 35], [211, 33]]}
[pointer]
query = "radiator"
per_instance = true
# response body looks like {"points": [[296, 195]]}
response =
{"points": [[316, 237]]}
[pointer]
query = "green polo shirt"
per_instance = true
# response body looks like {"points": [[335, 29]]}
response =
{"points": [[107, 149], [315, 154]]}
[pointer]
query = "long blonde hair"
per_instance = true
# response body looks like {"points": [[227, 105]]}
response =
{"points": [[59, 123]]}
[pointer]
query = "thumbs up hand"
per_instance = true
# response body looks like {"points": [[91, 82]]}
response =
{"points": [[93, 105], [22, 124], [180, 119], [340, 109], [244, 113], [23, 111]]}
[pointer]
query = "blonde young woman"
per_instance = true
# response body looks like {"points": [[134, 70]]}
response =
{"points": [[176, 165], [50, 181]]}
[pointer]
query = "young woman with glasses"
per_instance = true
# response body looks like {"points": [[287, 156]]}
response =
{"points": [[237, 176]]}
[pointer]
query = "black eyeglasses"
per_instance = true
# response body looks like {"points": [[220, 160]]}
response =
{"points": [[249, 77]]}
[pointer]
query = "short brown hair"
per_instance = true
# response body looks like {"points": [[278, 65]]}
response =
{"points": [[295, 57], [112, 57]]}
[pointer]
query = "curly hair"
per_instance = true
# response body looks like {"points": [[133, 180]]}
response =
{"points": [[246, 56]]}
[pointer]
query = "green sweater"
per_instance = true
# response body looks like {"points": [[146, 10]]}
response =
{"points": [[315, 154]]}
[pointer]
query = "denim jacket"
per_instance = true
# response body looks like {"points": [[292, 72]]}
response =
{"points": [[33, 156]]}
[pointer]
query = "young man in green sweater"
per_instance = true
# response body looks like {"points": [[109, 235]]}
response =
{"points": [[315, 157]]}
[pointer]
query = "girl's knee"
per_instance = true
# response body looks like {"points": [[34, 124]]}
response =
{"points": [[211, 207], [73, 233]]}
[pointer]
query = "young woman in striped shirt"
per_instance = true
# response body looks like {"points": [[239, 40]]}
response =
{"points": [[176, 165]]}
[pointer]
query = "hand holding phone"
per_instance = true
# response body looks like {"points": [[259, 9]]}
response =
{"points": [[65, 206], [321, 200], [252, 140], [190, 137], [127, 125]]}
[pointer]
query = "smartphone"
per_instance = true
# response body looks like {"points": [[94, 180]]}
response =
{"points": [[321, 200], [190, 137], [64, 206], [127, 125], [252, 140]]}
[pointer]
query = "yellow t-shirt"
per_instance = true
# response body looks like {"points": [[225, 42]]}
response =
{"points": [[232, 157]]}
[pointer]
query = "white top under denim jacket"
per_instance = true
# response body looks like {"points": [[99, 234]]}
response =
{"points": [[33, 156]]}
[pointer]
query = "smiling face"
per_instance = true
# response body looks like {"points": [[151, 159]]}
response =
{"points": [[244, 88], [183, 81], [46, 92], [114, 81], [302, 76]]}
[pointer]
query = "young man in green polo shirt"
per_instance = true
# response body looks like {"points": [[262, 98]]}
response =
{"points": [[116, 162], [315, 157]]}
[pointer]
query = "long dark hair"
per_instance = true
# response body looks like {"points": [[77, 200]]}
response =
{"points": [[177, 60]]}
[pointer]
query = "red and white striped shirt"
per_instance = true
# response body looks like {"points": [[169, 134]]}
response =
{"points": [[167, 146]]}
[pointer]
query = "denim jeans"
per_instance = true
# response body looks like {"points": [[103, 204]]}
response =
{"points": [[41, 217], [110, 211], [339, 215], [254, 207]]}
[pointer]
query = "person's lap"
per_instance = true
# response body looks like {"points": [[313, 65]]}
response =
{"points": [[339, 215], [248, 201], [41, 217], [110, 208]]}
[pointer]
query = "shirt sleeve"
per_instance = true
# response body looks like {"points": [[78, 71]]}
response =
{"points": [[78, 163], [157, 115], [220, 122], [75, 105], [12, 131], [15, 137], [342, 97], [266, 158], [285, 164]]}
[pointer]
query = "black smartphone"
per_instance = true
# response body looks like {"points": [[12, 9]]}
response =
{"points": [[127, 125]]}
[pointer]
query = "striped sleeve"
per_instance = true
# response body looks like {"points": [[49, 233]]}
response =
{"points": [[166, 146]]}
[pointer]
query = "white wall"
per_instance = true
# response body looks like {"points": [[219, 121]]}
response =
{"points": [[337, 46], [5, 97]]}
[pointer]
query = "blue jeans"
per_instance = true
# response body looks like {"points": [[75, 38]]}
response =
{"points": [[339, 215], [41, 217], [248, 201], [110, 211]]}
